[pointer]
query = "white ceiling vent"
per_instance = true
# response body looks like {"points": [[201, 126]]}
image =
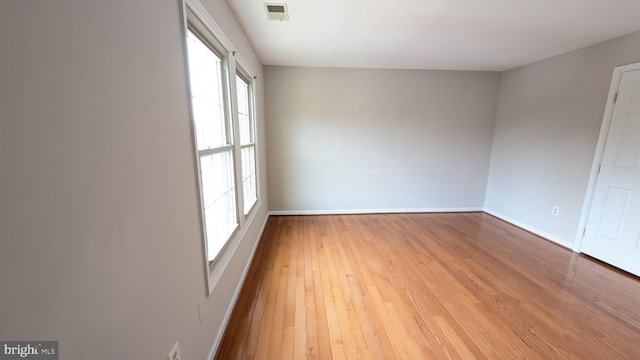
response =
{"points": [[277, 11]]}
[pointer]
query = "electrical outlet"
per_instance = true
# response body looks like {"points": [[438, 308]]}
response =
{"points": [[555, 211], [174, 354]]}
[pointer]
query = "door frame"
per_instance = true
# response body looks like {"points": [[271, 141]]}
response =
{"points": [[616, 78]]}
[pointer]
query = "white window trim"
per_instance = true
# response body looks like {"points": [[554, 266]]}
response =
{"points": [[213, 274]]}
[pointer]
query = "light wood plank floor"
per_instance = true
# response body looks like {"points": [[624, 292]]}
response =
{"points": [[427, 286]]}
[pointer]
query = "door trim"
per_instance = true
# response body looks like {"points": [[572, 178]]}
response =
{"points": [[616, 78]]}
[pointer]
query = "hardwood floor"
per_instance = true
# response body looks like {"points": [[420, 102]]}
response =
{"points": [[427, 286]]}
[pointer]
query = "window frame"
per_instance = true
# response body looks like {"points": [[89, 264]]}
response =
{"points": [[196, 19]]}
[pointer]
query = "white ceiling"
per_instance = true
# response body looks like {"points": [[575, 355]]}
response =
{"points": [[431, 34]]}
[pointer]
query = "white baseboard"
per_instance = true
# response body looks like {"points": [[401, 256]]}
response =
{"points": [[531, 229], [373, 211], [236, 294]]}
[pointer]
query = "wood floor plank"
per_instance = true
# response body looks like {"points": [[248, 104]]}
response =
{"points": [[427, 286]]}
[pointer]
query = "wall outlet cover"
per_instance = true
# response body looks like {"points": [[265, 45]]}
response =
{"points": [[174, 354]]}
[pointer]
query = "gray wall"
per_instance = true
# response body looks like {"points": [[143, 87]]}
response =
{"points": [[547, 126], [100, 243], [361, 139]]}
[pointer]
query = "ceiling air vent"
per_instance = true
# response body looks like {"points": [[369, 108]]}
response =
{"points": [[277, 11]]}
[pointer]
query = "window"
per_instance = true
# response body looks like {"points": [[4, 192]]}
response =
{"points": [[247, 141], [214, 142], [224, 135]]}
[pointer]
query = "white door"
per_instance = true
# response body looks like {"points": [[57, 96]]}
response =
{"points": [[613, 228]]}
